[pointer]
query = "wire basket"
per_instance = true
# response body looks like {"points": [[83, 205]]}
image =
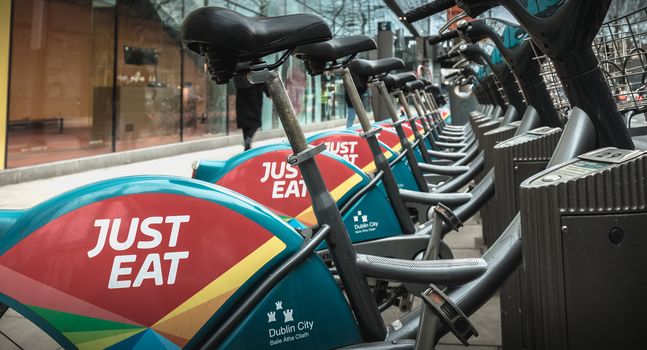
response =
{"points": [[523, 96], [553, 83], [499, 88], [621, 49]]}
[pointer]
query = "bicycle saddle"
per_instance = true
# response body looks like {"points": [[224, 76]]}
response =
{"points": [[226, 37], [316, 56], [370, 68], [395, 81], [413, 86], [336, 48], [432, 89]]}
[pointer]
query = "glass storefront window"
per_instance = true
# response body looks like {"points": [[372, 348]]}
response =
{"points": [[149, 87], [204, 102], [61, 81], [116, 77]]}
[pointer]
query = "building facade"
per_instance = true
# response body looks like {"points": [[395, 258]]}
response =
{"points": [[89, 77]]}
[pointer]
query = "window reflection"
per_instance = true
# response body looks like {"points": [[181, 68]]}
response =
{"points": [[204, 111], [148, 75], [97, 76], [61, 81]]}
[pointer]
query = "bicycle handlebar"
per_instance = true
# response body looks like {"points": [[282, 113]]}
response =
{"points": [[443, 37], [448, 55], [429, 9]]}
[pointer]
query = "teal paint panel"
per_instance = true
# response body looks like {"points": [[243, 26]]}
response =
{"points": [[372, 217], [306, 310], [404, 176]]}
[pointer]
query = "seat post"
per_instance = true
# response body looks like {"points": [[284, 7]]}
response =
{"points": [[422, 102], [429, 111], [359, 294], [431, 125], [422, 115], [412, 121], [381, 163], [435, 112], [404, 141], [432, 105]]}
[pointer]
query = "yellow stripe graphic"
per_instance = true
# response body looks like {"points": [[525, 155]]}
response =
{"points": [[370, 168], [103, 343], [308, 217], [227, 283], [5, 39]]}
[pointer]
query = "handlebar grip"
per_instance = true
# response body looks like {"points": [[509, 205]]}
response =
{"points": [[448, 55], [443, 37], [429, 9]]}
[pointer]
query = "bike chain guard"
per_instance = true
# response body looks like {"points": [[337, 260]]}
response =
{"points": [[448, 216], [449, 314]]}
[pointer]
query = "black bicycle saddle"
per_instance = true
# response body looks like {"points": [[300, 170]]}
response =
{"points": [[226, 37], [316, 56], [369, 68], [336, 48], [412, 86], [395, 81]]}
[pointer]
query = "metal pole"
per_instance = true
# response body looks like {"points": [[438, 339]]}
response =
{"points": [[426, 337], [424, 117], [355, 99], [412, 121], [357, 290], [381, 163], [430, 111], [393, 112], [404, 141]]}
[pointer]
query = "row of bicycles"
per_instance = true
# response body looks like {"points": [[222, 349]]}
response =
{"points": [[306, 244]]}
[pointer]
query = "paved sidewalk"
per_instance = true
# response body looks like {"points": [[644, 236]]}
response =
{"points": [[27, 194], [17, 333]]}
